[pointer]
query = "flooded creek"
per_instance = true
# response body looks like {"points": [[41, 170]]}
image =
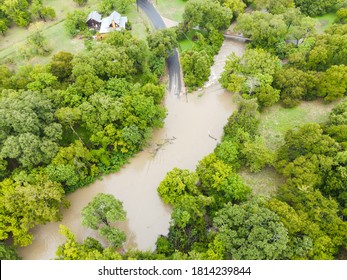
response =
{"points": [[182, 142]]}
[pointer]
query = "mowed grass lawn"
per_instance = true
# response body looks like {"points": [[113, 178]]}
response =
{"points": [[57, 37], [324, 21], [171, 9]]}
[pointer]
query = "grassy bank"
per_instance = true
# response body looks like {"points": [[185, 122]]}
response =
{"points": [[171, 9]]}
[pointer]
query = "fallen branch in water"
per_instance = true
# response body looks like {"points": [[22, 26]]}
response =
{"points": [[209, 134], [161, 145]]}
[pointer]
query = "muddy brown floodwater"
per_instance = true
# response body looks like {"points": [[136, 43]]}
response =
{"points": [[182, 142]]}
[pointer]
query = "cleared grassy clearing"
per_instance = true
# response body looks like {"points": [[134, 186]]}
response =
{"points": [[188, 43], [276, 120], [324, 21], [171, 9], [265, 182]]}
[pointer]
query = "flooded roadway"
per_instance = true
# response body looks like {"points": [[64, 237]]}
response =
{"points": [[182, 142]]}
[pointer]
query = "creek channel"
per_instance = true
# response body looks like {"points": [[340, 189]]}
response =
{"points": [[184, 140]]}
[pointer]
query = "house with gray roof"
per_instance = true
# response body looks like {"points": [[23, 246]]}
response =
{"points": [[94, 20], [113, 22], [105, 25]]}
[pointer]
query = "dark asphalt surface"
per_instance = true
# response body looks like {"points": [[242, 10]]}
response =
{"points": [[173, 61]]}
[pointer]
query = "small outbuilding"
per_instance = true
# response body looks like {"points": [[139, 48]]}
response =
{"points": [[94, 20]]}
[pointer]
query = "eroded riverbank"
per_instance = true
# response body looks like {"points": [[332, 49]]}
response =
{"points": [[182, 142]]}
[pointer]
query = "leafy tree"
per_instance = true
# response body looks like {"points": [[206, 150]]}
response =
{"points": [[121, 6], [316, 7], [337, 123], [106, 61], [307, 155], [86, 81], [299, 26], [220, 182], [250, 231], [115, 236], [152, 90], [26, 204], [29, 134], [188, 224], [5, 77], [61, 65], [41, 81], [73, 166], [17, 10], [257, 155], [117, 87], [333, 83], [306, 140], [243, 123], [300, 245], [296, 85], [90, 249], [163, 42], [39, 11], [206, 15], [236, 6], [252, 75], [341, 16], [322, 51], [335, 181], [137, 50], [8, 252], [228, 151], [178, 182], [37, 44], [69, 117], [264, 29], [3, 25], [102, 211], [321, 220], [75, 22], [196, 68], [275, 6]]}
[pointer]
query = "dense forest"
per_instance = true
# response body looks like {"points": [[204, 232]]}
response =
{"points": [[67, 123]]}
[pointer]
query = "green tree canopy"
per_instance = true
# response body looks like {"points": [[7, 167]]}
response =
{"points": [[27, 204], [103, 210], [316, 7], [29, 135], [177, 183], [250, 231], [163, 42], [252, 75], [206, 14]]}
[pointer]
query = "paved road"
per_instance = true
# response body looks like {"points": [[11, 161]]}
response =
{"points": [[175, 84]]}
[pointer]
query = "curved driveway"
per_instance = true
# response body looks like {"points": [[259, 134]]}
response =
{"points": [[175, 84]]}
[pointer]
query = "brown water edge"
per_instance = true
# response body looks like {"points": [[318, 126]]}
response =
{"points": [[182, 142]]}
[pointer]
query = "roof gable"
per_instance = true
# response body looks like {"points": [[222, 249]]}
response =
{"points": [[95, 16]]}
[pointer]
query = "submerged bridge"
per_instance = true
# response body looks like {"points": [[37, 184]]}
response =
{"points": [[234, 36]]}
